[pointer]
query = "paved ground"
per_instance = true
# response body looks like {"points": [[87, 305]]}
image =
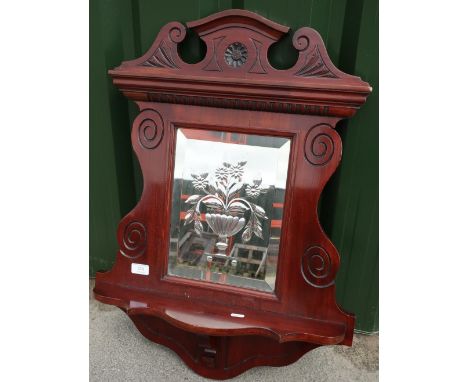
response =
{"points": [[118, 352]]}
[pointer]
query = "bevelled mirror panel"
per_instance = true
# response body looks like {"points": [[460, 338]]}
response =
{"points": [[227, 207]]}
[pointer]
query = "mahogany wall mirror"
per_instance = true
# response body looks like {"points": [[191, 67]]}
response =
{"points": [[223, 260]]}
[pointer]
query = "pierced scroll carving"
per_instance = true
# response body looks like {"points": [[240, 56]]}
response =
{"points": [[150, 128], [320, 144], [317, 267], [314, 66], [163, 53], [134, 240], [162, 58], [310, 62]]}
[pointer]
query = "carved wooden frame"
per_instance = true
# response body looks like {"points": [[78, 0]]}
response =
{"points": [[234, 88]]}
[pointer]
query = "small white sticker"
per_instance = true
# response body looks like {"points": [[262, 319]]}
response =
{"points": [[238, 315], [140, 269]]}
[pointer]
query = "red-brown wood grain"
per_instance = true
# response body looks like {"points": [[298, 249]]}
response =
{"points": [[303, 103]]}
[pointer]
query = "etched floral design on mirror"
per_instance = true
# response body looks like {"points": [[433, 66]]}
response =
{"points": [[226, 211], [227, 207]]}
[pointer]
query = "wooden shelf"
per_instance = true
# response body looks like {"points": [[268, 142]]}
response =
{"points": [[216, 320]]}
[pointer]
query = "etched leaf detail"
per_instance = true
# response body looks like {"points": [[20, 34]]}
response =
{"points": [[236, 208], [247, 235], [213, 203], [260, 212], [189, 217], [193, 199], [198, 226]]}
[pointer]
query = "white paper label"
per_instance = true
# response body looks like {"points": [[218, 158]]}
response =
{"points": [[238, 315], [140, 269]]}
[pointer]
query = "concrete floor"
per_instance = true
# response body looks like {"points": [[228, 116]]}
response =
{"points": [[118, 352]]}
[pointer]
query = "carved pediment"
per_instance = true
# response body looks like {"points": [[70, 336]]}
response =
{"points": [[237, 65]]}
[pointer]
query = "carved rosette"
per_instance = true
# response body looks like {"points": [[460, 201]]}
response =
{"points": [[235, 54], [317, 267], [321, 144], [150, 126], [133, 243]]}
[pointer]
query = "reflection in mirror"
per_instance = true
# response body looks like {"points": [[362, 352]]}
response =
{"points": [[227, 207]]}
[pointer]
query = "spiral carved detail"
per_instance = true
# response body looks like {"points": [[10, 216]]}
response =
{"points": [[134, 240], [150, 128], [321, 143], [177, 32], [317, 267], [301, 39]]}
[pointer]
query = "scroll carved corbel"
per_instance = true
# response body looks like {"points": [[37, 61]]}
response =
{"points": [[319, 264], [318, 267], [322, 143], [150, 128], [163, 53], [133, 243], [312, 61]]}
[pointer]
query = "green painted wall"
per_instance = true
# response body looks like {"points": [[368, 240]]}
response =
{"points": [[124, 29]]}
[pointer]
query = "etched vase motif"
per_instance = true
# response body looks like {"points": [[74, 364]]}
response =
{"points": [[226, 210]]}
